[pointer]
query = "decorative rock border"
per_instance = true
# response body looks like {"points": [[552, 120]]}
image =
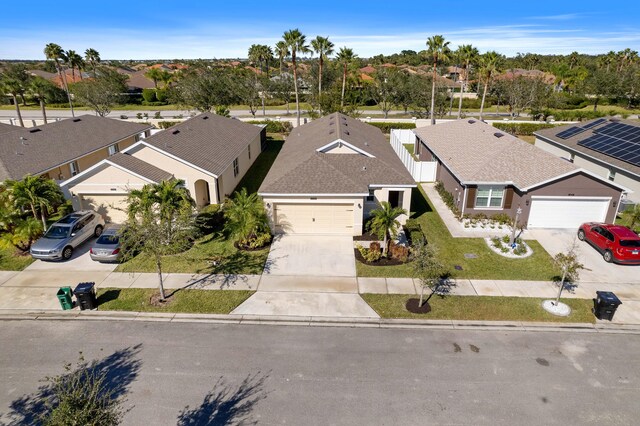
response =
{"points": [[510, 253]]}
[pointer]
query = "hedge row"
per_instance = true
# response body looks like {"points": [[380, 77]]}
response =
{"points": [[522, 129], [386, 127], [274, 126]]}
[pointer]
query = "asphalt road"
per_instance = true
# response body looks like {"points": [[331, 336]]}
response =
{"points": [[332, 376]]}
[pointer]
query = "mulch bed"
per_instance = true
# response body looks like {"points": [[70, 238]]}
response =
{"points": [[155, 299], [367, 236], [412, 306], [384, 261]]}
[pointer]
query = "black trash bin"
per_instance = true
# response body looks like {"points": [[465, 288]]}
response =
{"points": [[86, 295], [605, 305]]}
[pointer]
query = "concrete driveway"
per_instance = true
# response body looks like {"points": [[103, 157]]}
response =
{"points": [[80, 261], [598, 271], [311, 255]]}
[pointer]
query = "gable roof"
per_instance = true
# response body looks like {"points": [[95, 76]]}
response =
{"points": [[4, 128], [208, 141], [38, 149], [471, 150], [137, 80], [139, 167], [301, 168], [572, 142]]}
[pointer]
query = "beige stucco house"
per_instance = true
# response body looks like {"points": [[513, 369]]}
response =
{"points": [[330, 174], [209, 152]]}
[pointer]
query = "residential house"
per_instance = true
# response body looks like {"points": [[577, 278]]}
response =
{"points": [[609, 148], [330, 174], [209, 152], [491, 172]]}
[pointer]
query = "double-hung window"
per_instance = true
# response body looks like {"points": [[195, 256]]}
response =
{"points": [[236, 168], [73, 167], [113, 149], [489, 196]]}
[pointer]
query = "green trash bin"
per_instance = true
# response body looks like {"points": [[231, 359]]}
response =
{"points": [[64, 296]]}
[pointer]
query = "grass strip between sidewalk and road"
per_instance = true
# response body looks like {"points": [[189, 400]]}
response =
{"points": [[479, 308], [185, 301]]}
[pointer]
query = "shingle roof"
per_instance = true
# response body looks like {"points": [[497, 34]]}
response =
{"points": [[208, 141], [140, 167], [474, 154], [38, 149], [572, 143], [301, 169], [4, 128]]}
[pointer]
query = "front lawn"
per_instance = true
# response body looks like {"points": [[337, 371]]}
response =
{"points": [[481, 308], [180, 301], [10, 261], [486, 264]]}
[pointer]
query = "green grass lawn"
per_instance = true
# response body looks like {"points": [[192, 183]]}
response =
{"points": [[259, 169], [10, 261], [180, 301], [487, 265], [482, 308]]}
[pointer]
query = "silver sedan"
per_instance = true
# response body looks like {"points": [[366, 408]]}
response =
{"points": [[107, 247]]}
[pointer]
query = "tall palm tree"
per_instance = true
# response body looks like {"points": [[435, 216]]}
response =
{"points": [[154, 74], [36, 193], [296, 42], [438, 51], [42, 89], [384, 222], [75, 61], [468, 54], [55, 53], [12, 86], [488, 67], [254, 54], [266, 56], [282, 49], [93, 57], [324, 48], [345, 57]]}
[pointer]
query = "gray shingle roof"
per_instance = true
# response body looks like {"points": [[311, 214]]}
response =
{"points": [[140, 167], [7, 128], [38, 149], [572, 143], [474, 154], [208, 141], [301, 169]]}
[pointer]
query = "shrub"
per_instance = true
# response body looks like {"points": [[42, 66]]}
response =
{"points": [[157, 115], [502, 218], [161, 95], [146, 103], [576, 115], [520, 249], [167, 124], [149, 95], [413, 230], [274, 126], [447, 198], [139, 116], [386, 127], [375, 245], [524, 129], [397, 251], [260, 240], [506, 239], [496, 242], [369, 255], [209, 219]]}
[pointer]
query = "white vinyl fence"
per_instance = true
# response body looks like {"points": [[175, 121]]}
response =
{"points": [[422, 171]]}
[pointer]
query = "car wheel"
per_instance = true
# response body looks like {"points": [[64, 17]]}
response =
{"points": [[67, 253], [581, 235], [608, 256], [98, 231]]}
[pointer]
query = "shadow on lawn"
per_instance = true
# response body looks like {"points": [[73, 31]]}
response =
{"points": [[120, 369], [225, 404], [419, 203]]}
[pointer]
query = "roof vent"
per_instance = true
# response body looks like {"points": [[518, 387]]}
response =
{"points": [[206, 117], [498, 135], [175, 132], [345, 132], [330, 132], [614, 119], [471, 121], [35, 130], [366, 143], [364, 168], [75, 120]]}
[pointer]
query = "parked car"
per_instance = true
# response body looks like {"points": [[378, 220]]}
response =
{"points": [[66, 234], [107, 247], [617, 243]]}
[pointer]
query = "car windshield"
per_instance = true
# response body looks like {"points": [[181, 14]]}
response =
{"points": [[630, 243], [57, 232], [108, 239]]}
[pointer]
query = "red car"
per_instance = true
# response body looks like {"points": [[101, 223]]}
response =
{"points": [[617, 243]]}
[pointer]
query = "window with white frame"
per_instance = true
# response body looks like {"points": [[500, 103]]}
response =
{"points": [[113, 149], [236, 168], [73, 167], [489, 196]]}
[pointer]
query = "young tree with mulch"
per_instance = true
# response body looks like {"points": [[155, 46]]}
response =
{"points": [[568, 266], [427, 268]]}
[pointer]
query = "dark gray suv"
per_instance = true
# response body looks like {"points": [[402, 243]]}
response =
{"points": [[66, 234]]}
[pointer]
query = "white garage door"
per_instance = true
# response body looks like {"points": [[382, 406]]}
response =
{"points": [[570, 212], [332, 219], [106, 204]]}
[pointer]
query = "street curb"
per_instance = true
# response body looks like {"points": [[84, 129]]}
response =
{"points": [[380, 323]]}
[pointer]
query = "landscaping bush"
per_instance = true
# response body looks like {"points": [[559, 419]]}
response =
{"points": [[413, 231], [397, 251], [209, 220], [167, 124], [576, 115], [157, 115], [523, 129], [161, 95], [274, 126], [447, 198], [146, 103], [260, 240], [149, 95], [370, 255], [502, 218], [386, 127]]}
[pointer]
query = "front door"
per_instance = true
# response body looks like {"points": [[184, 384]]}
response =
{"points": [[395, 198]]}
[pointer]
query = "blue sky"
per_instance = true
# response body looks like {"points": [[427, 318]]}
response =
{"points": [[141, 29]]}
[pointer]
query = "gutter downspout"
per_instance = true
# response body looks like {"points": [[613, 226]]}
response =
{"points": [[464, 203]]}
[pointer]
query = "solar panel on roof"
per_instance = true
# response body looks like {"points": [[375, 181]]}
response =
{"points": [[616, 140], [571, 131], [594, 123]]}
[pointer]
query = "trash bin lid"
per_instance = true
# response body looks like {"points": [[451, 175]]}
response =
{"points": [[608, 297], [84, 287]]}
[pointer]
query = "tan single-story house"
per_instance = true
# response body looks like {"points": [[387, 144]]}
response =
{"points": [[330, 174], [209, 152], [62, 149], [608, 147], [491, 172]]}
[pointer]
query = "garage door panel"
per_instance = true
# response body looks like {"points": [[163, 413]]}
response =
{"points": [[566, 212], [107, 205], [336, 219]]}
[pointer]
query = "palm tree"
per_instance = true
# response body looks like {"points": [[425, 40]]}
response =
{"points": [[438, 50], [345, 56], [245, 217], [42, 89], [13, 87], [282, 49], [166, 77], [155, 75], [488, 67], [296, 42], [170, 195], [384, 222], [36, 193], [632, 216], [75, 61], [55, 53], [254, 54], [93, 57], [468, 54], [265, 55], [324, 48]]}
